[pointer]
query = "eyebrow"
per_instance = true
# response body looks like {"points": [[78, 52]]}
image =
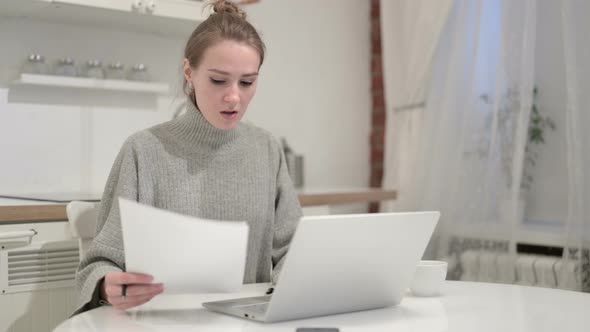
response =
{"points": [[226, 73]]}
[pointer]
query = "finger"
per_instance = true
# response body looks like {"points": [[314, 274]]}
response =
{"points": [[116, 290], [113, 290], [121, 278], [133, 302], [145, 291], [134, 290], [118, 298]]}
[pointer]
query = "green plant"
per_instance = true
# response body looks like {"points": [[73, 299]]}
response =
{"points": [[507, 117], [538, 124]]}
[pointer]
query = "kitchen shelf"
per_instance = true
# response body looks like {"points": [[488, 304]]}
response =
{"points": [[93, 84], [159, 17]]}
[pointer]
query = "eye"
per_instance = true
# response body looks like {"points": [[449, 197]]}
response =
{"points": [[217, 82], [246, 83]]}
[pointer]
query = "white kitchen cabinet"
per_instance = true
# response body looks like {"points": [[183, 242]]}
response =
{"points": [[174, 9], [178, 9], [161, 17], [122, 5], [37, 277]]}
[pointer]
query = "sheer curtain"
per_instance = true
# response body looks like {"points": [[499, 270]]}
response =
{"points": [[410, 33], [463, 150], [466, 146], [576, 53]]}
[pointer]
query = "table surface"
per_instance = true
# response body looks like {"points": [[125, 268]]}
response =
{"points": [[463, 306]]}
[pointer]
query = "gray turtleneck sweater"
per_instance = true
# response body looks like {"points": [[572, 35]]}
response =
{"points": [[188, 166]]}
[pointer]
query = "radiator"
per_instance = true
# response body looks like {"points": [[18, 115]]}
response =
{"points": [[521, 269], [36, 277]]}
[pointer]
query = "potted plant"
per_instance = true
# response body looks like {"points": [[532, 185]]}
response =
{"points": [[538, 124], [507, 116]]}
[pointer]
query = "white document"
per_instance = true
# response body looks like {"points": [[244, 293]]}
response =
{"points": [[187, 254]]}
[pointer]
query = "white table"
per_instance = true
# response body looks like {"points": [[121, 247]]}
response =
{"points": [[465, 306]]}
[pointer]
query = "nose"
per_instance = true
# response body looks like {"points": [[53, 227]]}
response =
{"points": [[232, 95]]}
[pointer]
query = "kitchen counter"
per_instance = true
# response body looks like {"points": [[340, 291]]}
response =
{"points": [[18, 211], [335, 196]]}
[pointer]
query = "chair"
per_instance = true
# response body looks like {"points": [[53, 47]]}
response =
{"points": [[82, 217]]}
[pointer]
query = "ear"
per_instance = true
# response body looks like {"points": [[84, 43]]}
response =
{"points": [[187, 70]]}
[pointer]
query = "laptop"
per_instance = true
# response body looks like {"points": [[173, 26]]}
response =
{"points": [[339, 264]]}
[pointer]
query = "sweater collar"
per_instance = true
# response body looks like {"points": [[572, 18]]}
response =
{"points": [[193, 129]]}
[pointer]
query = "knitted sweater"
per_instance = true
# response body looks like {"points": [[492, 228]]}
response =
{"points": [[188, 166]]}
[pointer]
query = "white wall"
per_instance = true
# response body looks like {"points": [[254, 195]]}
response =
{"points": [[315, 84], [314, 90]]}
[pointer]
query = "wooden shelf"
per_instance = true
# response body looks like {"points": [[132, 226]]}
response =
{"points": [[93, 84]]}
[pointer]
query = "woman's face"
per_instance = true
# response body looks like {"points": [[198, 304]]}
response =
{"points": [[224, 82]]}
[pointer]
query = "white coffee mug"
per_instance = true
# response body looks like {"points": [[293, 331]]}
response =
{"points": [[429, 277]]}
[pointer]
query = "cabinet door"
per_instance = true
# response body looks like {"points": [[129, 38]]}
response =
{"points": [[122, 5], [178, 9]]}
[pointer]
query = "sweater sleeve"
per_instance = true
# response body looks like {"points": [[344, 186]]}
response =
{"points": [[105, 254], [287, 215]]}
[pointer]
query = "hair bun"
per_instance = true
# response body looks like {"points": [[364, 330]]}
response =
{"points": [[228, 7]]}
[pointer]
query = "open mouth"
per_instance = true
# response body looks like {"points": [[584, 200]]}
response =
{"points": [[229, 114]]}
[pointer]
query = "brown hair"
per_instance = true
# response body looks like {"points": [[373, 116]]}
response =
{"points": [[227, 22]]}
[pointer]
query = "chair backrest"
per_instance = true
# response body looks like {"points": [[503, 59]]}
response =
{"points": [[82, 217]]}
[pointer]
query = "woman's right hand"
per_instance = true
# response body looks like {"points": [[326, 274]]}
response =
{"points": [[139, 289]]}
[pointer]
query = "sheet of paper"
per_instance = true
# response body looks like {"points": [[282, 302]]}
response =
{"points": [[187, 254]]}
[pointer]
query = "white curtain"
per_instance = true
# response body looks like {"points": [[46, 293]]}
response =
{"points": [[577, 68], [463, 152], [410, 31]]}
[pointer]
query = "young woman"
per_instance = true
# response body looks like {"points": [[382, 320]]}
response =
{"points": [[206, 163]]}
